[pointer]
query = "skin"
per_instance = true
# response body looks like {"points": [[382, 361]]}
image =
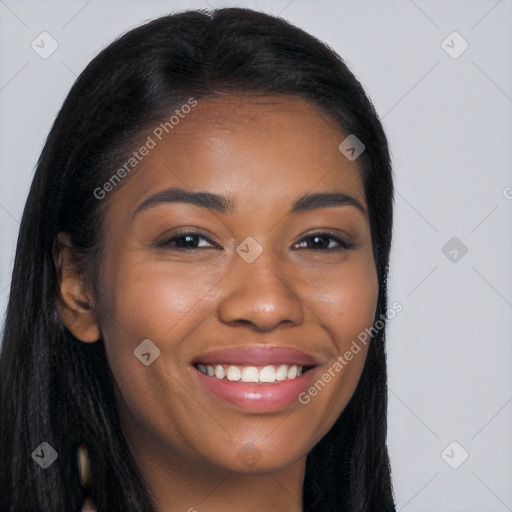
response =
{"points": [[264, 153]]}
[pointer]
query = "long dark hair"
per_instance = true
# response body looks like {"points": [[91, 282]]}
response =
{"points": [[57, 390]]}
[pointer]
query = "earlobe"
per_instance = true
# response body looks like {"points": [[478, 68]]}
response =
{"points": [[74, 301]]}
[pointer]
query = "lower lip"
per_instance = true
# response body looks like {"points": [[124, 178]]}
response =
{"points": [[258, 397]]}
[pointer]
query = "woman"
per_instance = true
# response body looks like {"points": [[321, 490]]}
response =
{"points": [[198, 302]]}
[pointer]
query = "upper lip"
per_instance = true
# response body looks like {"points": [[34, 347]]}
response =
{"points": [[258, 356]]}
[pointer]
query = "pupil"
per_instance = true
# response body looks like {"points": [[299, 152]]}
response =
{"points": [[186, 240], [321, 241]]}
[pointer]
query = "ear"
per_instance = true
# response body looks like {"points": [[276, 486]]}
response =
{"points": [[74, 300]]}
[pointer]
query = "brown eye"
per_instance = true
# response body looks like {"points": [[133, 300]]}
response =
{"points": [[325, 241], [186, 240]]}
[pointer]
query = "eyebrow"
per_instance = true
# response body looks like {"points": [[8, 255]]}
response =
{"points": [[224, 204]]}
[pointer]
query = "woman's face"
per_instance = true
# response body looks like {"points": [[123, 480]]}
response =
{"points": [[271, 278]]}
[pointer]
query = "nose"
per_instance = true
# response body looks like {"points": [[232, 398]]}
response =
{"points": [[260, 295]]}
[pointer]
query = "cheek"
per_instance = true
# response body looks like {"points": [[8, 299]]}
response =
{"points": [[157, 301], [346, 300], [152, 299], [345, 303]]}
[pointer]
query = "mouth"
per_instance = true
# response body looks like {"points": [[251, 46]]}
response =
{"points": [[256, 379]]}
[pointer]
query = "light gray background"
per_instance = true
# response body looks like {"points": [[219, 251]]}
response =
{"points": [[449, 124]]}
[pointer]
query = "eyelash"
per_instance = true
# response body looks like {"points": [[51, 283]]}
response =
{"points": [[166, 243]]}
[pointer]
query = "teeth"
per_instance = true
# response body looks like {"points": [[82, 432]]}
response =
{"points": [[282, 372], [267, 374], [292, 372], [219, 372], [250, 374], [234, 373]]}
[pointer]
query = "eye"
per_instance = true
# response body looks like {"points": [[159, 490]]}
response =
{"points": [[185, 240], [324, 241]]}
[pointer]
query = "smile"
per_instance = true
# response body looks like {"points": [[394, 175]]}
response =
{"points": [[255, 379]]}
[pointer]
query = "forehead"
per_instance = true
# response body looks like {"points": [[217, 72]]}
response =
{"points": [[257, 149], [268, 119]]}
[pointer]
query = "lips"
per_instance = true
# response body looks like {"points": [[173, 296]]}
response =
{"points": [[256, 379], [258, 356]]}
